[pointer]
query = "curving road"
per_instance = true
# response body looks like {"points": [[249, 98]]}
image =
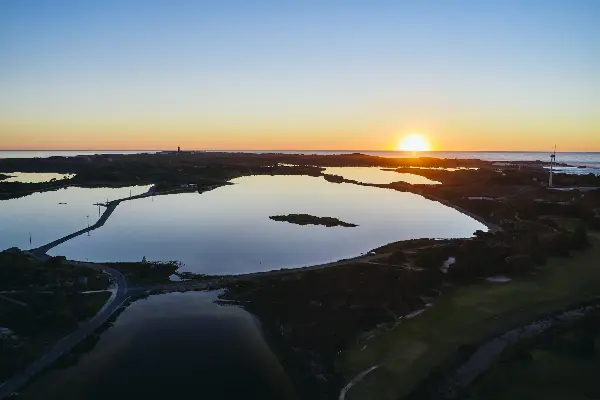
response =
{"points": [[67, 343]]}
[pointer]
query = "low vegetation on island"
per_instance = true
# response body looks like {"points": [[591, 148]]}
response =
{"points": [[306, 219]]}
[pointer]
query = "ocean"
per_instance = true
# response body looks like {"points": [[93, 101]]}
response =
{"points": [[589, 160], [64, 153]]}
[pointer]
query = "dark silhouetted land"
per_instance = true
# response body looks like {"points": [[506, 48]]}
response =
{"points": [[306, 219], [397, 322]]}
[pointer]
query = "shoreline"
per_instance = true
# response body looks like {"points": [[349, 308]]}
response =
{"points": [[414, 189], [493, 228]]}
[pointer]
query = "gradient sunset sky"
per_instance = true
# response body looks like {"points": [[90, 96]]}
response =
{"points": [[356, 75]]}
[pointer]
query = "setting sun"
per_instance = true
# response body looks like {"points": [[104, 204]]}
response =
{"points": [[414, 142]]}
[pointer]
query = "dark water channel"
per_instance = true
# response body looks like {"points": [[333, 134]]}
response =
{"points": [[173, 346]]}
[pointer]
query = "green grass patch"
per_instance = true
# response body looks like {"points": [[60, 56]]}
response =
{"points": [[410, 352], [549, 375]]}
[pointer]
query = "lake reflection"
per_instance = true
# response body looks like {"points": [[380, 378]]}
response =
{"points": [[42, 215], [378, 176], [228, 230], [173, 346], [34, 177]]}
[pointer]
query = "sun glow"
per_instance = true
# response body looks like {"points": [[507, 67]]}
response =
{"points": [[414, 142]]}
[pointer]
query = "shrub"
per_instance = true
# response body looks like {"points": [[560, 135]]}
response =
{"points": [[595, 223], [518, 264], [549, 222], [56, 261], [560, 245], [579, 238], [397, 257], [432, 257]]}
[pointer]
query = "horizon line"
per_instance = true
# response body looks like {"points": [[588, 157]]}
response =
{"points": [[322, 150]]}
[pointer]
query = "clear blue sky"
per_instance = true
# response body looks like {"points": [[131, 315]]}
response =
{"points": [[470, 75]]}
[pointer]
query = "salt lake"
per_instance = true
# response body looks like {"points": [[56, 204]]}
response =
{"points": [[378, 176], [228, 230]]}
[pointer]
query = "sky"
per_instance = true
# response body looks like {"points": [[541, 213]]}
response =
{"points": [[352, 75]]}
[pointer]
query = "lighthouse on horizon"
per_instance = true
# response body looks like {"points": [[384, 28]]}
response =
{"points": [[552, 161]]}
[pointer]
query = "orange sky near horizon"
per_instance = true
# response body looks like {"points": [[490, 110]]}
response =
{"points": [[157, 136], [270, 145], [334, 75]]}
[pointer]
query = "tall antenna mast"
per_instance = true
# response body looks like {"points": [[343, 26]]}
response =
{"points": [[552, 161]]}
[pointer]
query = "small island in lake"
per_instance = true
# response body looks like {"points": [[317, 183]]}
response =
{"points": [[306, 219]]}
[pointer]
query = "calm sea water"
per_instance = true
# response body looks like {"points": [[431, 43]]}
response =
{"points": [[228, 230], [64, 153], [173, 346]]}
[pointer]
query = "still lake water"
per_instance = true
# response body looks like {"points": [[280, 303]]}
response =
{"points": [[228, 230], [173, 346], [376, 175], [34, 177], [42, 215]]}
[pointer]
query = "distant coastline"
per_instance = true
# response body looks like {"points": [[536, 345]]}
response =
{"points": [[589, 160]]}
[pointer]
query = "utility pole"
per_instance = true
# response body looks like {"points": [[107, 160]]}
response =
{"points": [[552, 161]]}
